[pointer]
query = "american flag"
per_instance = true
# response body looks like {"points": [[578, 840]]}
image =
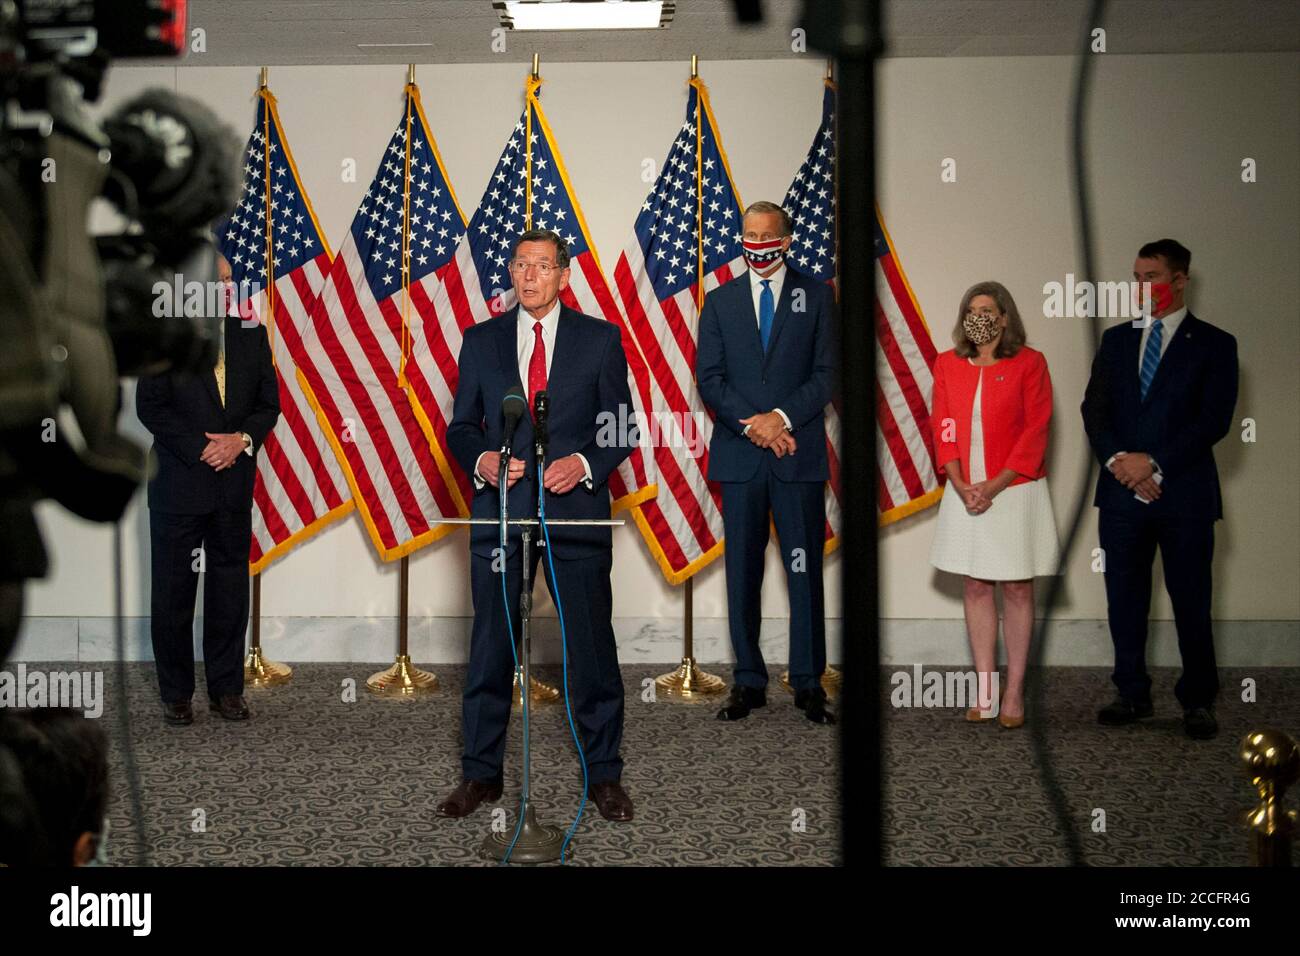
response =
{"points": [[299, 487], [908, 482], [904, 386], [811, 201], [530, 175], [374, 400], [693, 209]]}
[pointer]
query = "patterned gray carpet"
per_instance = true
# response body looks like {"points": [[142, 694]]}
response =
{"points": [[315, 780]]}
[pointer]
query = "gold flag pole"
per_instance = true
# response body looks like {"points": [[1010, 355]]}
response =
{"points": [[403, 679], [1272, 763], [258, 671], [832, 679], [688, 682], [539, 692]]}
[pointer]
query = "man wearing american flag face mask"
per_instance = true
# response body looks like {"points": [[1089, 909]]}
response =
{"points": [[765, 367]]}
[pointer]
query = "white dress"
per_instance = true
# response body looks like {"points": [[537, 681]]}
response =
{"points": [[1015, 539]]}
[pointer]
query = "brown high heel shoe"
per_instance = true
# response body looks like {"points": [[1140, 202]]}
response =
{"points": [[1010, 723], [974, 715]]}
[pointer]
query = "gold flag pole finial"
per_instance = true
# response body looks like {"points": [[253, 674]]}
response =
{"points": [[1271, 760], [830, 69], [261, 80], [537, 65], [410, 73], [695, 66]]}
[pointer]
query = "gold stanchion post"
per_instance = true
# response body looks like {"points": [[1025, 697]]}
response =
{"points": [[258, 671], [1272, 763], [539, 692], [403, 679], [689, 683], [832, 679]]}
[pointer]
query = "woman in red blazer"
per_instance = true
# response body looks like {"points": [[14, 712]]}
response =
{"points": [[991, 408]]}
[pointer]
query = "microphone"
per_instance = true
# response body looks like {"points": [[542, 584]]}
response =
{"points": [[513, 408], [541, 412]]}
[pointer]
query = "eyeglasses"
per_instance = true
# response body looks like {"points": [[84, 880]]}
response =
{"points": [[544, 269]]}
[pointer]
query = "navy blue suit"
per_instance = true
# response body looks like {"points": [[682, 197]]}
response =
{"points": [[738, 379], [587, 387], [191, 505], [1188, 408]]}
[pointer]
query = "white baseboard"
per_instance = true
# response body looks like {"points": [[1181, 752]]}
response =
{"points": [[445, 640]]}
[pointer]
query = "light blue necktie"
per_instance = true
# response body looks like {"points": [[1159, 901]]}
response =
{"points": [[766, 312], [1151, 357]]}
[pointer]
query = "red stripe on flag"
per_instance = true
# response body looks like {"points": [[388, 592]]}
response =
{"points": [[383, 441], [270, 515], [897, 446], [904, 301], [294, 492], [903, 379], [360, 400], [663, 534]]}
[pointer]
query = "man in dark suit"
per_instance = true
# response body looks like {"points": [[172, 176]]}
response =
{"points": [[1161, 394], [578, 361], [766, 368], [207, 430]]}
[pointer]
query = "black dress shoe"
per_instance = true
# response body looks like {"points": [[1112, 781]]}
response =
{"points": [[230, 706], [178, 713], [465, 799], [1200, 723], [612, 801], [1123, 711], [813, 705], [741, 701]]}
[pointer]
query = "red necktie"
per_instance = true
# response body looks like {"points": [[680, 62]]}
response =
{"points": [[536, 367]]}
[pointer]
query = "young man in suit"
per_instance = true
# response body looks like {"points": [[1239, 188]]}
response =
{"points": [[578, 361], [1161, 395], [766, 368], [207, 430]]}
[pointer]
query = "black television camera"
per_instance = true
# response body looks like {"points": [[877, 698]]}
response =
{"points": [[76, 311]]}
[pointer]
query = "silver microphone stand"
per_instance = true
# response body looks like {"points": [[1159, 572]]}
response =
{"points": [[535, 842]]}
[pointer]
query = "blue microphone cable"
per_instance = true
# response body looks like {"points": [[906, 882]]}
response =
{"points": [[514, 653], [564, 646]]}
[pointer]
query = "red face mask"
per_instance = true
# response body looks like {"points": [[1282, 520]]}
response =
{"points": [[761, 255], [1162, 297]]}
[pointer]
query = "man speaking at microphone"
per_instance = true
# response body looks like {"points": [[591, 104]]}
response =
{"points": [[578, 362]]}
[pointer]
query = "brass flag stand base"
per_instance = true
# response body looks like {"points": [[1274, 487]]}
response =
{"points": [[832, 679], [538, 692], [258, 671], [537, 843], [403, 679], [688, 683]]}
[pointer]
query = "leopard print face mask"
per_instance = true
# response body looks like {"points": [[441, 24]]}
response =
{"points": [[980, 327]]}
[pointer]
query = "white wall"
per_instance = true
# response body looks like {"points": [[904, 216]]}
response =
{"points": [[1168, 134]]}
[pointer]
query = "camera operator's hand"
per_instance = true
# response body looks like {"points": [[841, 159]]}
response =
{"points": [[222, 449]]}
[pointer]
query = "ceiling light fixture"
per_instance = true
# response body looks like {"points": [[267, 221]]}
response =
{"points": [[584, 14]]}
